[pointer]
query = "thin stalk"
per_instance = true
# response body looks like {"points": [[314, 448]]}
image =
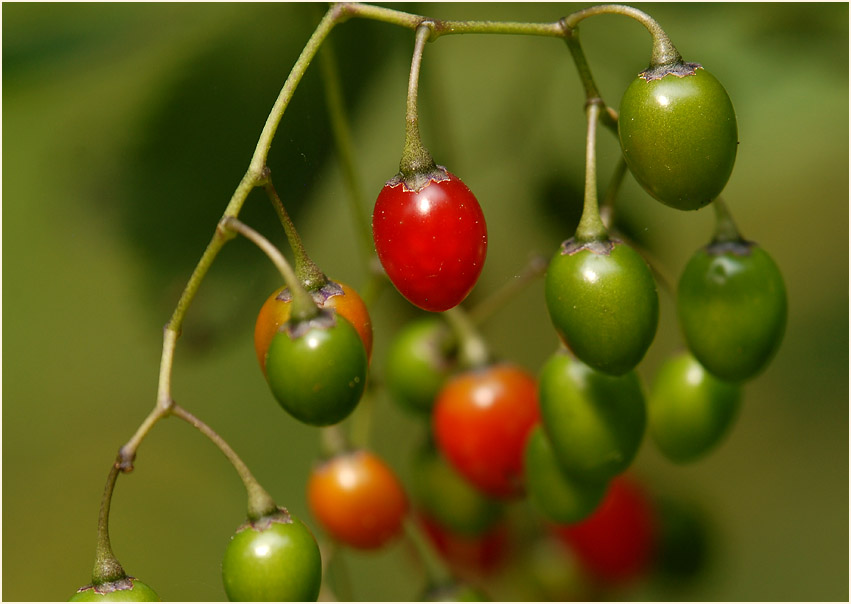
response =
{"points": [[310, 275], [260, 503], [107, 568], [663, 52], [334, 15], [415, 158], [345, 149], [303, 306], [442, 28], [726, 230], [436, 571], [592, 93], [591, 227], [332, 441], [472, 349]]}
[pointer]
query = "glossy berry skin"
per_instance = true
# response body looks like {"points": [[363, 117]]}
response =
{"points": [[679, 137], [481, 421], [616, 543], [731, 303], [443, 494], [595, 422], [690, 410], [273, 560], [317, 369], [602, 301], [431, 242], [357, 499], [128, 589], [333, 296], [419, 361], [557, 495]]}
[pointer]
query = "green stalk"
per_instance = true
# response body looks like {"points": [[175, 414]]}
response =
{"points": [[303, 306], [345, 149], [308, 274], [107, 567], [416, 160], [726, 230], [260, 503], [591, 227]]}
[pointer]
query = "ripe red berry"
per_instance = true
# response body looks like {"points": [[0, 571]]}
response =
{"points": [[481, 421], [432, 241]]}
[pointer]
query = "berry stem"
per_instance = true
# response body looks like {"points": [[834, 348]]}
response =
{"points": [[663, 52], [591, 227], [310, 276], [436, 571], [416, 159], [303, 306], [332, 441], [260, 503], [107, 567], [472, 349], [345, 149], [725, 228]]}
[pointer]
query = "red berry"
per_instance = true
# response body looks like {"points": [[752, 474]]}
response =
{"points": [[432, 242], [615, 544], [482, 419]]}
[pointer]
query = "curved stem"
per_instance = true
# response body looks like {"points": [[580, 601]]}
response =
{"points": [[591, 227], [415, 158], [310, 275], [260, 503], [663, 52], [107, 568], [334, 15], [303, 306]]}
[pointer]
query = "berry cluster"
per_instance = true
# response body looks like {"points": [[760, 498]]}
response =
{"points": [[496, 434]]}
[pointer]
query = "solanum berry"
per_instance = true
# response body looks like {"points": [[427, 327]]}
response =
{"points": [[594, 421], [690, 410], [559, 496], [731, 303], [128, 589], [450, 499], [678, 133], [603, 303], [358, 499], [419, 361], [274, 559], [481, 421], [431, 241], [616, 543], [317, 368], [332, 295]]}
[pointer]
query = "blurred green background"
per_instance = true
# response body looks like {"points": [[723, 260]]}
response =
{"points": [[126, 127]]}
